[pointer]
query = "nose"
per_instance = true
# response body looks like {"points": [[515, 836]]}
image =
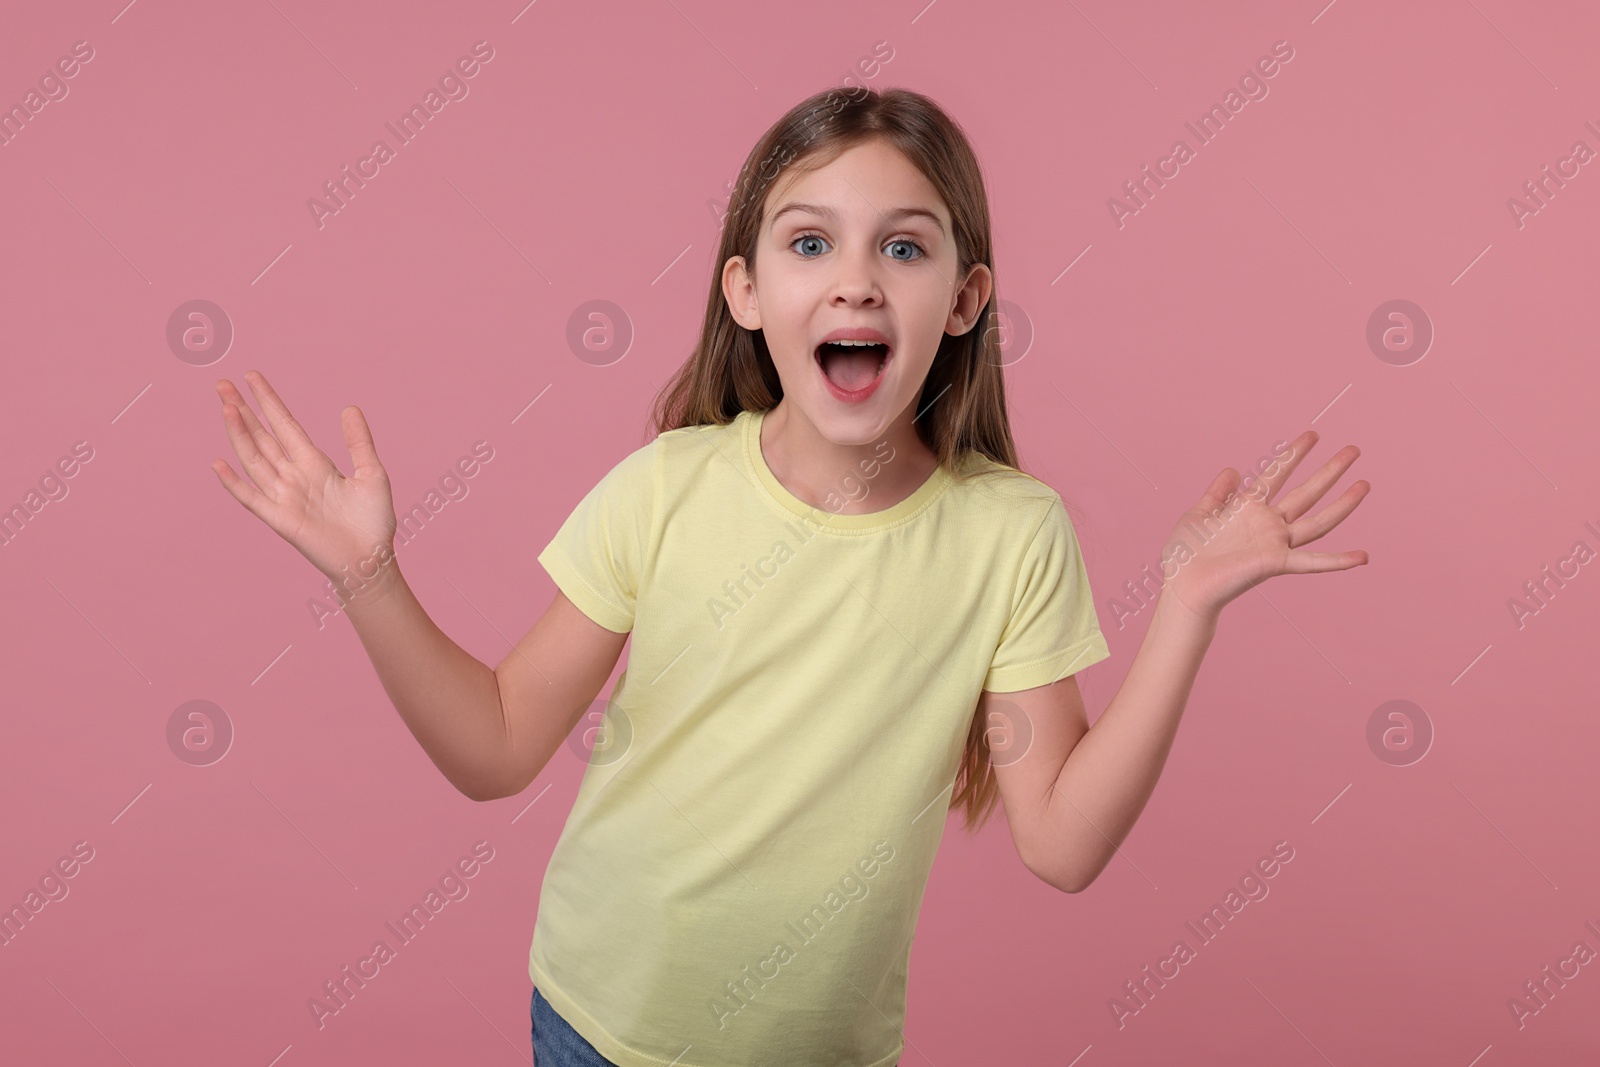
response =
{"points": [[856, 280]]}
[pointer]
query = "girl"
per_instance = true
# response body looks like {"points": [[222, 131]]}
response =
{"points": [[832, 570]]}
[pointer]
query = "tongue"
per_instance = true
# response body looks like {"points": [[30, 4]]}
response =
{"points": [[851, 368]]}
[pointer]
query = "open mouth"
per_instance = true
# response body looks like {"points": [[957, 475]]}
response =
{"points": [[852, 366]]}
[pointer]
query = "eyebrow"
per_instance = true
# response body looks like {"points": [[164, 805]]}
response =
{"points": [[829, 213]]}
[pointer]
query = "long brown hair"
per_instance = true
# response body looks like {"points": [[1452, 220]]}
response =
{"points": [[962, 407]]}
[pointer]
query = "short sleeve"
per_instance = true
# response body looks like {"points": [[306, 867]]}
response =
{"points": [[597, 556], [1053, 630]]}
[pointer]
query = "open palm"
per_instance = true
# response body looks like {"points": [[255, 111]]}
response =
{"points": [[1231, 541], [334, 521]]}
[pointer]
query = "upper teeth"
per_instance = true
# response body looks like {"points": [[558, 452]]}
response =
{"points": [[856, 343]]}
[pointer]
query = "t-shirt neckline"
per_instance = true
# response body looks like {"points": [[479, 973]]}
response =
{"points": [[931, 488]]}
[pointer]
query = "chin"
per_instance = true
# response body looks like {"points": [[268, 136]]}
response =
{"points": [[855, 426]]}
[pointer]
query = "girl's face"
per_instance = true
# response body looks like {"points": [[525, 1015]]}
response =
{"points": [[861, 245]]}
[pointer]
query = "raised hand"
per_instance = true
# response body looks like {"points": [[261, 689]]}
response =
{"points": [[344, 526], [1231, 541]]}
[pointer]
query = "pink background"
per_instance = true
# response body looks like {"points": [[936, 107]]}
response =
{"points": [[586, 164]]}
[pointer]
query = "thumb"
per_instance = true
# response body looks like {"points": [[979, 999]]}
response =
{"points": [[358, 439]]}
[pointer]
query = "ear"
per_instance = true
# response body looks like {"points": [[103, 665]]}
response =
{"points": [[970, 301], [739, 290]]}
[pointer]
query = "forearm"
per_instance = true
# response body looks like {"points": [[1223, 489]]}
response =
{"points": [[1112, 771], [448, 699]]}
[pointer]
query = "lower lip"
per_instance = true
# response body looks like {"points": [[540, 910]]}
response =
{"points": [[852, 396]]}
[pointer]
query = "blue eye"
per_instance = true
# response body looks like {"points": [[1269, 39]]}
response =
{"points": [[806, 237], [920, 251], [910, 244]]}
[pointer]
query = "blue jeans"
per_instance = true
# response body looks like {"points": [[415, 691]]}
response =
{"points": [[556, 1043]]}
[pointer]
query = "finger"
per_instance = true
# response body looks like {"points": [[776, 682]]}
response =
{"points": [[296, 442], [1300, 499], [358, 439], [1317, 562], [1270, 483], [242, 491], [246, 445], [266, 444], [1307, 530], [1220, 489]]}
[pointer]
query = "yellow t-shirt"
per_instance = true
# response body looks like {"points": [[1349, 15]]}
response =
{"points": [[739, 879]]}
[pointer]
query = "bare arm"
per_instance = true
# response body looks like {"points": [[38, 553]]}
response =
{"points": [[547, 682], [489, 731], [1074, 796]]}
